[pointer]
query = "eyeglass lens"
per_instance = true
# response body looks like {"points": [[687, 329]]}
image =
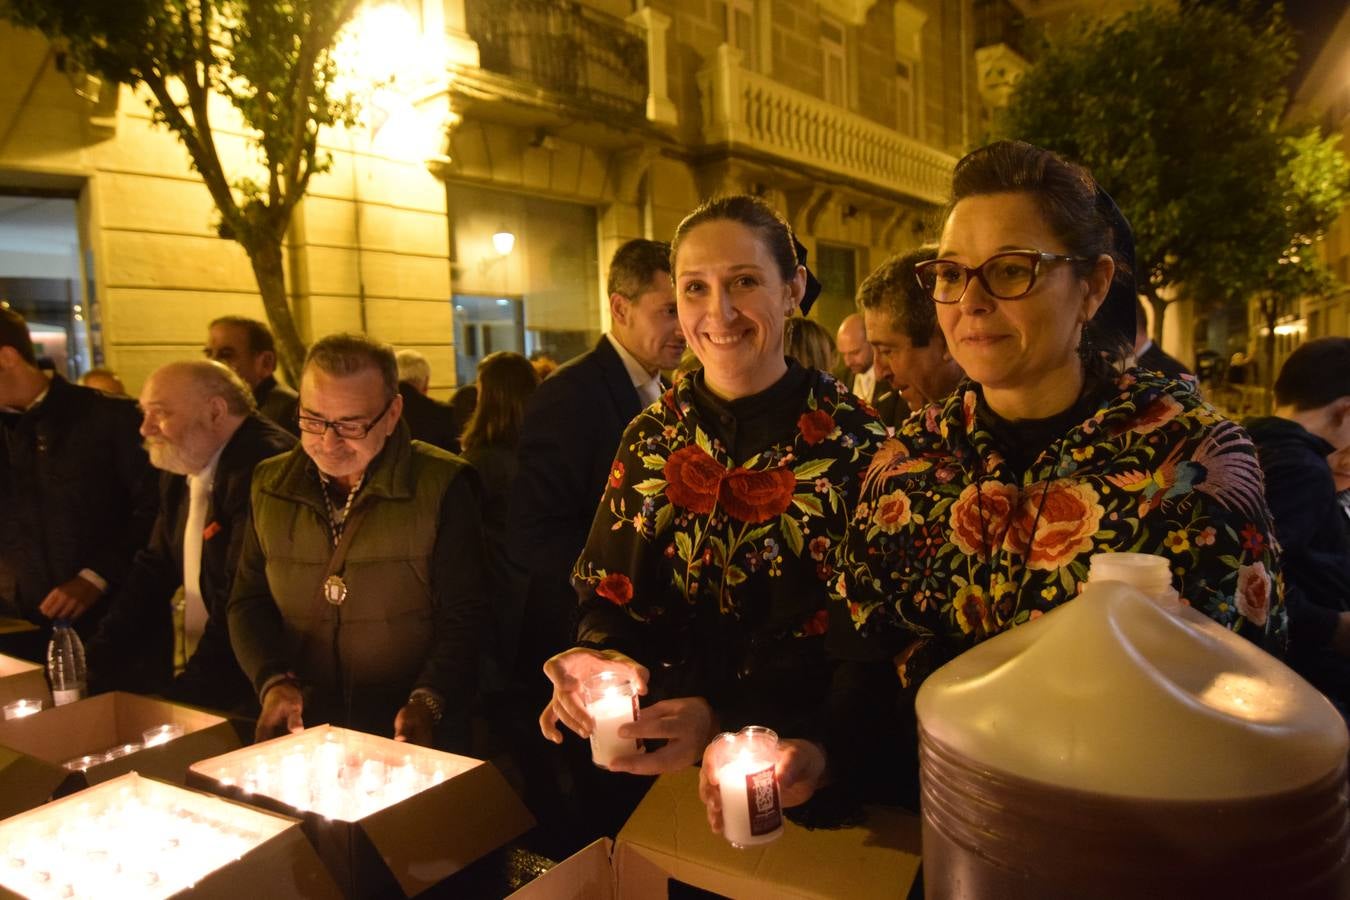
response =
{"points": [[1006, 276]]}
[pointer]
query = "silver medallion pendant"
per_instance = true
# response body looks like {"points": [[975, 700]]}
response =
{"points": [[334, 590]]}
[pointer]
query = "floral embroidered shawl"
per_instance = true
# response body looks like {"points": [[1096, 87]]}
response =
{"points": [[691, 545], [950, 546]]}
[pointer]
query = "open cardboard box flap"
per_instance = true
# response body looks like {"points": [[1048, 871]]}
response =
{"points": [[585, 875], [26, 782], [22, 680], [668, 837], [107, 720]]}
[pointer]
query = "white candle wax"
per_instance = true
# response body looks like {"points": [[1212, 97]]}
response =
{"points": [[612, 709], [750, 809]]}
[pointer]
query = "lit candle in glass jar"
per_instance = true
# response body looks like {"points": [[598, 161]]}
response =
{"points": [[161, 734], [611, 700], [20, 708], [748, 784]]}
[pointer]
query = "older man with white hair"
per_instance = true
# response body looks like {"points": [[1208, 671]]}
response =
{"points": [[429, 420], [202, 430]]}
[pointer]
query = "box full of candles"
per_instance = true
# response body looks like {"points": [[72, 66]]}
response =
{"points": [[387, 818], [58, 751], [21, 680], [137, 837]]}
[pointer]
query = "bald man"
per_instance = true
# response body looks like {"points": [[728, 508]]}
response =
{"points": [[202, 430], [869, 376]]}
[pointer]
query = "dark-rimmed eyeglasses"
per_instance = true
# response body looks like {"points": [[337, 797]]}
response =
{"points": [[348, 430], [1006, 276]]}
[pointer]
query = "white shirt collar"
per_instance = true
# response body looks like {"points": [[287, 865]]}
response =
{"points": [[647, 385], [208, 472], [865, 384]]}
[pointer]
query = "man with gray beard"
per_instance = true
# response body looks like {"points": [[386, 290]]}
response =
{"points": [[202, 429]]}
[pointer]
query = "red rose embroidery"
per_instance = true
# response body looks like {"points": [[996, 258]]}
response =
{"points": [[817, 624], [815, 426], [693, 478], [616, 475], [616, 588], [995, 501], [757, 496], [1069, 515], [1253, 593]]}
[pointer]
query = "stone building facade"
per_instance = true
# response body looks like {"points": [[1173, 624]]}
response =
{"points": [[476, 210]]}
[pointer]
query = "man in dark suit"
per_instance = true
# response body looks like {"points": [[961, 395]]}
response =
{"points": [[78, 495], [427, 420], [903, 330], [1149, 355], [572, 428], [203, 431], [247, 346]]}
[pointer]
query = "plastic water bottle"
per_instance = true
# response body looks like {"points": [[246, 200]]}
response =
{"points": [[65, 664]]}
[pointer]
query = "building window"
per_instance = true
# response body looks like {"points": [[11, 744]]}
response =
{"points": [[837, 269], [539, 293], [906, 99], [833, 48], [740, 31]]}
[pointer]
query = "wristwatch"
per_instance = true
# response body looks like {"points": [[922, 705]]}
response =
{"points": [[431, 700]]}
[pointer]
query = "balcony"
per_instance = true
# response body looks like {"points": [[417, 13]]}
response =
{"points": [[1004, 43], [745, 110], [572, 54]]}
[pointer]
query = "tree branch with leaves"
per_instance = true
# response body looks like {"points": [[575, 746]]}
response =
{"points": [[271, 60], [1177, 112]]}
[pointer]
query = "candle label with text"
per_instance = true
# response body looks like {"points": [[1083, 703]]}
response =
{"points": [[761, 794]]}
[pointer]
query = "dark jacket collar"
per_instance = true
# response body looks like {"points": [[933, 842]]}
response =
{"points": [[1270, 430]]}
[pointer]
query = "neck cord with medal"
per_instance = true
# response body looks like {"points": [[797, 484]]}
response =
{"points": [[342, 529], [334, 588]]}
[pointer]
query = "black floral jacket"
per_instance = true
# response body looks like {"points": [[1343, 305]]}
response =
{"points": [[715, 572], [950, 547]]}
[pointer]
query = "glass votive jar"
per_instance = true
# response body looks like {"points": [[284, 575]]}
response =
{"points": [[81, 763], [611, 700], [161, 734], [120, 751], [21, 708], [744, 766]]}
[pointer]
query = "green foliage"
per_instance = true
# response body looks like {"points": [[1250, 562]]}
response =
{"points": [[1177, 113], [271, 59]]}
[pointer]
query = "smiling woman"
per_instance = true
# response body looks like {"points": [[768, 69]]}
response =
{"points": [[711, 558]]}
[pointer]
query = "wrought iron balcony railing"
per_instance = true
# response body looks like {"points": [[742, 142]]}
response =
{"points": [[583, 56]]}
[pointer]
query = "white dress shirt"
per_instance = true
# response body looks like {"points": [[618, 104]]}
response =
{"points": [[648, 386]]}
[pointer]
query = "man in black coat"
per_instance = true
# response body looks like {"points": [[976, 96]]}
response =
{"points": [[248, 347], [571, 430], [203, 431], [427, 419], [79, 498], [1149, 355], [1311, 423]]}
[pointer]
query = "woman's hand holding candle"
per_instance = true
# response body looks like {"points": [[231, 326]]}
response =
{"points": [[686, 724], [567, 671], [801, 771]]}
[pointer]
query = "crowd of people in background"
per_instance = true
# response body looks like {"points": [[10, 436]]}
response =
{"points": [[757, 521]]}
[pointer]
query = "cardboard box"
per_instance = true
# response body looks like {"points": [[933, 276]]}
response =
{"points": [[400, 849], [668, 837], [158, 840], [585, 875], [97, 724], [22, 680]]}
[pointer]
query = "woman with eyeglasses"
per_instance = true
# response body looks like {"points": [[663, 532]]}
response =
{"points": [[981, 513]]}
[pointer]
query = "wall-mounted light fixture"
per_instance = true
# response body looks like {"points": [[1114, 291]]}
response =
{"points": [[503, 241]]}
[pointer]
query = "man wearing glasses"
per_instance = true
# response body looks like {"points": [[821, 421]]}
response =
{"points": [[360, 595]]}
